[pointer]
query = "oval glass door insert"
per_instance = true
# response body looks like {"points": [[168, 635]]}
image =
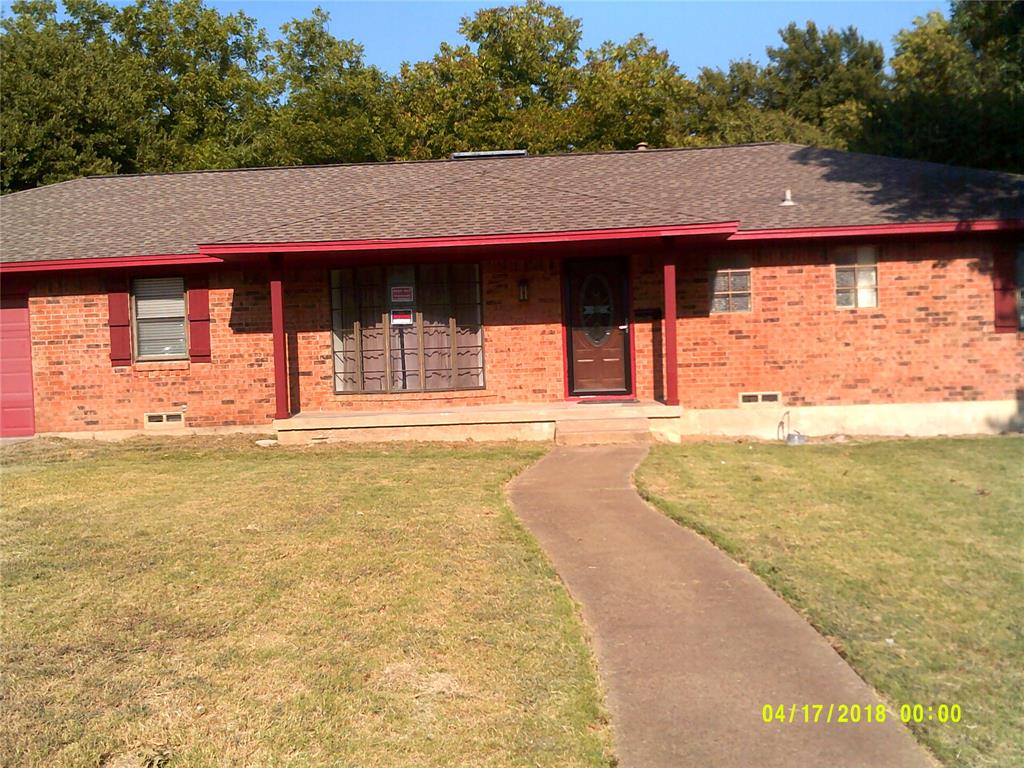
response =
{"points": [[596, 305]]}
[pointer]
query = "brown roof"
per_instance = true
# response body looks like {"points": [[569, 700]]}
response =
{"points": [[157, 214]]}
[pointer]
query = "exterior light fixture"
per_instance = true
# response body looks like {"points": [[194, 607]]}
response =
{"points": [[524, 290]]}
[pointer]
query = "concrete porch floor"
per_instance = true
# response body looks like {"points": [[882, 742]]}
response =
{"points": [[570, 423]]}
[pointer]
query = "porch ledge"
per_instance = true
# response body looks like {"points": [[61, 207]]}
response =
{"points": [[511, 413]]}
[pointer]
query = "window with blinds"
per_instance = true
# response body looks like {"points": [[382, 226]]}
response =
{"points": [[158, 310], [407, 328]]}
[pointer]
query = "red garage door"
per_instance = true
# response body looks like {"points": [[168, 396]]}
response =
{"points": [[17, 413]]}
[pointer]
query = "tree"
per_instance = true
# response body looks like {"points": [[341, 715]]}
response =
{"points": [[69, 104], [531, 51], [956, 94], [511, 86], [154, 86], [172, 85], [627, 94], [734, 108], [826, 79], [994, 33], [203, 82], [328, 106], [449, 104]]}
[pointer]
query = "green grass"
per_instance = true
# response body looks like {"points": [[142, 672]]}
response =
{"points": [[203, 602], [907, 555]]}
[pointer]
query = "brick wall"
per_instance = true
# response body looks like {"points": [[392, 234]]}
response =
{"points": [[930, 339], [76, 389]]}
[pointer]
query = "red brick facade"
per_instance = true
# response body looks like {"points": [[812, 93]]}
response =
{"points": [[77, 389], [930, 339]]}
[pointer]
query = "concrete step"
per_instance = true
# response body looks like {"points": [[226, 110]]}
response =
{"points": [[602, 432]]}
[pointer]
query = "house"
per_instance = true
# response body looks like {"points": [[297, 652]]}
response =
{"points": [[743, 290]]}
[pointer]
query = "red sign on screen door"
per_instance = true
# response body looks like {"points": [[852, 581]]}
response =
{"points": [[401, 317], [402, 294]]}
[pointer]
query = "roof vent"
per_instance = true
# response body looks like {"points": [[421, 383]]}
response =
{"points": [[788, 199], [488, 154], [641, 146]]}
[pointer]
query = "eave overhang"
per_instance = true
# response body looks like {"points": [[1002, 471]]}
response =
{"points": [[715, 229], [118, 262], [880, 230], [728, 231]]}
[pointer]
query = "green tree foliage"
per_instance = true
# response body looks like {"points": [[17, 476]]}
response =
{"points": [[448, 104], [957, 91], [826, 79], [172, 84], [630, 93], [994, 33], [529, 50], [328, 105], [69, 105], [735, 107], [200, 81], [511, 85]]}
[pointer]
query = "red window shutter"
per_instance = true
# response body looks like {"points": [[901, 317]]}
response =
{"points": [[198, 319], [1004, 286], [119, 320]]}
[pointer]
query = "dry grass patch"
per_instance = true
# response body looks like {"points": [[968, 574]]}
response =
{"points": [[205, 602], [908, 555]]}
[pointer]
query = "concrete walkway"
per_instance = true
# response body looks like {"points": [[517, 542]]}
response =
{"points": [[690, 645]]}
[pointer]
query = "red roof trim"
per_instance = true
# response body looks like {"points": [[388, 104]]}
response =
{"points": [[212, 253], [104, 263], [873, 230], [461, 241]]}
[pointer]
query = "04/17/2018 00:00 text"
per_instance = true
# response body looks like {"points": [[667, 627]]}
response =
{"points": [[856, 713]]}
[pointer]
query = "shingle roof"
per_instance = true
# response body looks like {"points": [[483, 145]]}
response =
{"points": [[158, 214]]}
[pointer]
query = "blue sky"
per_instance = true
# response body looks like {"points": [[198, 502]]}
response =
{"points": [[695, 34]]}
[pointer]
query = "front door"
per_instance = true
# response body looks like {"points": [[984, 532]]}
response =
{"points": [[597, 311]]}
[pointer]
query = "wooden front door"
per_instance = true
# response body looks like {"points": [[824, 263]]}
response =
{"points": [[597, 314]]}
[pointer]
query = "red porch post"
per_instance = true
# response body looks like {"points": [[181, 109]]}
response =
{"points": [[282, 411], [671, 348]]}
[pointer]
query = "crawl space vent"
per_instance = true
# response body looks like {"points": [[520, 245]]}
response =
{"points": [[163, 420], [752, 398]]}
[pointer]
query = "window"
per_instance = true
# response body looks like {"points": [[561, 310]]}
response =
{"points": [[731, 286], [857, 277], [159, 317], [406, 328]]}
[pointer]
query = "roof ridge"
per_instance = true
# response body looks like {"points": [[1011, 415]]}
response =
{"points": [[45, 186], [914, 160], [525, 158], [424, 161]]}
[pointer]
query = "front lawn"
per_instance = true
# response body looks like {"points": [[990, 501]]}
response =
{"points": [[908, 555], [203, 602]]}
